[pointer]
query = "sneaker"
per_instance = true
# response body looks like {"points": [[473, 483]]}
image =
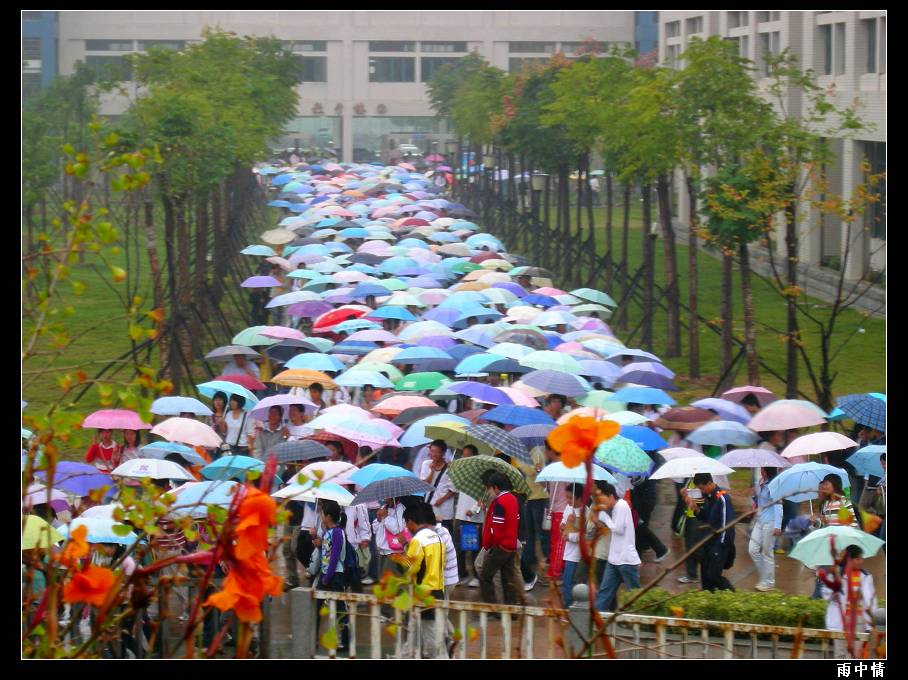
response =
{"points": [[780, 551], [527, 587], [474, 583], [661, 557], [368, 581], [687, 579], [764, 587]]}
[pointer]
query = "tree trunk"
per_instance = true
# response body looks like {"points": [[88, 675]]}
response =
{"points": [[648, 248], [580, 179], [750, 335], [157, 292], [200, 274], [171, 367], [693, 332], [217, 224], [673, 341], [791, 248], [609, 241], [625, 244], [184, 283], [727, 317]]}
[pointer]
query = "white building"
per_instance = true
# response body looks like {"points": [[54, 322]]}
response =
{"points": [[365, 71], [847, 50]]}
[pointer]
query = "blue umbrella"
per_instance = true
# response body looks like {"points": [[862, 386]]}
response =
{"points": [[643, 437], [354, 348], [174, 406], [477, 336], [378, 471], [364, 289], [642, 395], [228, 467], [556, 382], [354, 232], [865, 409], [727, 410], [391, 312], [100, 530], [162, 449], [417, 354], [212, 387], [799, 482], [723, 433], [508, 414], [476, 363], [480, 392], [604, 370], [279, 204], [79, 479], [263, 251], [446, 316], [353, 325], [315, 362], [479, 313], [866, 461], [540, 300], [193, 498], [360, 377], [532, 435], [281, 180]]}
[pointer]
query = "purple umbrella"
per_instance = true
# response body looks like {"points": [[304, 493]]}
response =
{"points": [[410, 209], [608, 372], [78, 479], [260, 282], [727, 410], [446, 316], [479, 392], [440, 365], [438, 342], [309, 309], [649, 380], [511, 287], [338, 298], [305, 258], [424, 281], [426, 215]]}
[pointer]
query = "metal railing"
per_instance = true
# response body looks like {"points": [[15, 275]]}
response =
{"points": [[537, 632]]}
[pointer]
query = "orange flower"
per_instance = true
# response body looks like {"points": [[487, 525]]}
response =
{"points": [[578, 438], [256, 514], [90, 585], [76, 548], [246, 585]]}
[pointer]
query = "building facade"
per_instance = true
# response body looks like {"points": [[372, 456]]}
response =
{"points": [[847, 51], [364, 90], [39, 51]]}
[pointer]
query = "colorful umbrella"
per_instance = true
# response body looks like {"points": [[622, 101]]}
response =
{"points": [[193, 498], [308, 493], [420, 382], [623, 456], [557, 382], [723, 433], [865, 409], [39, 534], [283, 401], [396, 405], [303, 378], [231, 467], [518, 415], [336, 471], [100, 530], [297, 450], [643, 437], [212, 387], [250, 382], [163, 449], [315, 362], [737, 394], [725, 409], [479, 392], [778, 416], [78, 479], [643, 395]]}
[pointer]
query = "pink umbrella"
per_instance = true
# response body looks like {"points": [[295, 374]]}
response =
{"points": [[406, 166], [309, 309], [375, 336], [395, 405], [817, 443], [260, 282], [548, 290], [349, 277], [115, 419], [736, 394], [387, 210], [784, 417], [431, 297], [284, 401], [679, 452], [435, 158], [187, 431], [372, 247], [520, 398], [392, 429], [282, 333]]}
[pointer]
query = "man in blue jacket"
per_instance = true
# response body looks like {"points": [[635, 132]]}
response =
{"points": [[717, 512]]}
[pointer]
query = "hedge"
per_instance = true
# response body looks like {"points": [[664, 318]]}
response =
{"points": [[772, 609]]}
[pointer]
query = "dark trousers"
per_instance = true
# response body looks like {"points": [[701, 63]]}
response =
{"points": [[534, 512], [694, 532], [712, 564], [645, 538], [498, 560], [789, 512], [336, 585]]}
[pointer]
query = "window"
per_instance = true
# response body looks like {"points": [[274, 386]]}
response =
{"points": [[882, 42], [584, 47], [31, 16], [738, 19], [763, 17], [428, 66], [695, 25], [824, 49], [310, 46], [443, 46], [391, 46], [517, 64], [870, 36], [315, 69], [839, 46], [769, 46], [113, 67], [392, 70], [532, 47], [672, 29], [108, 45], [875, 213], [31, 85], [166, 44], [672, 52], [31, 49]]}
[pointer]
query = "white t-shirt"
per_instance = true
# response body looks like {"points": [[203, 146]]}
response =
{"points": [[237, 430], [358, 527], [571, 540], [444, 511], [299, 431], [621, 524], [232, 369], [423, 455]]}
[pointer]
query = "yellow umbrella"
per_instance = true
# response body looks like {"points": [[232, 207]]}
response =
{"points": [[453, 433], [39, 534], [473, 285], [278, 237], [385, 355], [299, 377], [501, 265], [494, 277]]}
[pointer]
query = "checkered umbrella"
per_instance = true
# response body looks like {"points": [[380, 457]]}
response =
{"points": [[466, 474], [865, 409], [499, 440], [392, 487], [299, 450], [532, 435]]}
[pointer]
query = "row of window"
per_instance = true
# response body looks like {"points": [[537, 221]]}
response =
{"points": [[129, 45], [735, 20]]}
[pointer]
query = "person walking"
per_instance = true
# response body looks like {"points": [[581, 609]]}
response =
{"points": [[425, 567], [764, 531], [333, 546], [851, 594], [643, 498], [469, 517], [532, 518], [239, 427], [623, 561], [434, 471], [717, 512], [270, 434], [389, 528], [499, 538], [570, 531]]}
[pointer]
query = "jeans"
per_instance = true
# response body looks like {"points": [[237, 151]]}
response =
{"points": [[614, 575], [712, 564], [761, 546], [498, 560], [335, 585], [534, 511], [570, 568]]}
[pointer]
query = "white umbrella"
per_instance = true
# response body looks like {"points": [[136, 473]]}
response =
{"points": [[100, 511], [680, 452], [306, 492], [558, 472], [336, 471], [688, 467], [817, 443], [152, 467]]}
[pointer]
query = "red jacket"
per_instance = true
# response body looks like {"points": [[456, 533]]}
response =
{"points": [[502, 520]]}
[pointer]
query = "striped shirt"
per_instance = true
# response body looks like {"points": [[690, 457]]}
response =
{"points": [[171, 539], [830, 512], [452, 576]]}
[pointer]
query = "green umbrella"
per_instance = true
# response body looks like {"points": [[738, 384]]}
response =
{"points": [[543, 360], [392, 284], [619, 454], [594, 296], [419, 382], [589, 308], [602, 399], [815, 550], [465, 267], [251, 338], [466, 474], [39, 534], [322, 344]]}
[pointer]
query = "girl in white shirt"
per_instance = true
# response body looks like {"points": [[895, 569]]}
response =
{"points": [[240, 432], [570, 532]]}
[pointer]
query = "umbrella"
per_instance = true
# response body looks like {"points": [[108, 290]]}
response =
{"points": [[227, 467], [621, 455], [643, 437], [499, 440], [779, 416], [649, 374], [357, 377], [642, 395], [282, 400], [376, 472], [174, 406], [315, 362], [737, 394], [336, 471], [815, 549], [299, 450], [411, 415], [866, 461], [393, 487], [36, 494], [193, 498], [621, 417], [187, 431], [39, 534], [151, 467], [115, 419], [303, 378], [817, 443], [865, 409], [479, 392], [250, 382], [594, 296], [420, 382], [100, 530], [398, 404], [260, 282], [754, 458], [251, 337], [685, 418], [532, 435], [309, 493], [799, 482], [212, 387], [452, 431], [348, 447], [690, 466], [466, 474], [726, 409], [363, 433], [723, 433], [545, 360], [518, 415], [556, 382], [78, 479], [162, 449], [679, 452], [557, 472], [416, 434]]}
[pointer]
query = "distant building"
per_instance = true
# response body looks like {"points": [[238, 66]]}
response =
{"points": [[39, 51]]}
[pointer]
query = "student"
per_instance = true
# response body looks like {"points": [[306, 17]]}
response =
{"points": [[570, 530], [239, 427], [499, 538], [132, 442], [766, 527], [426, 567], [623, 561], [717, 512], [469, 517], [333, 545], [270, 434], [104, 452], [852, 594], [389, 528]]}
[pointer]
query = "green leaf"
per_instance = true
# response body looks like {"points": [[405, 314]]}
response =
{"points": [[403, 602], [217, 513], [121, 529], [329, 638]]}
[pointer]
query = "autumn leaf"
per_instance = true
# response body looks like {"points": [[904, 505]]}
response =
{"points": [[119, 274], [156, 314]]}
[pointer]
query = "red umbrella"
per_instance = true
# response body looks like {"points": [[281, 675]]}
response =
{"points": [[737, 394], [250, 382], [414, 222], [349, 448], [482, 257], [336, 316]]}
